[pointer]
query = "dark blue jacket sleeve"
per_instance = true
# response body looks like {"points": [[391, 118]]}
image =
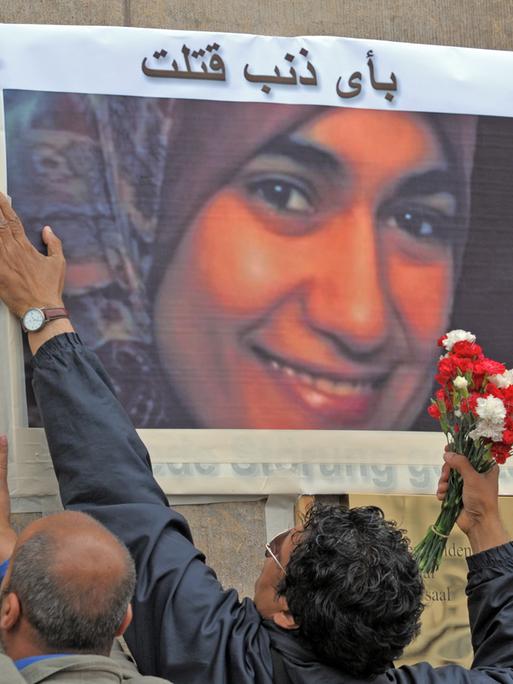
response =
{"points": [[186, 628], [490, 604]]}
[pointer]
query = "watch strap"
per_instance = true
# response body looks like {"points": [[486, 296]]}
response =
{"points": [[51, 313]]}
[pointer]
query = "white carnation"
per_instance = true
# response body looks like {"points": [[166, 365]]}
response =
{"points": [[457, 336], [491, 409], [484, 429], [503, 380], [473, 434], [490, 423], [460, 382]]}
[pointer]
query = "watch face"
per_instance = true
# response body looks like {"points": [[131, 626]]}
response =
{"points": [[33, 320]]}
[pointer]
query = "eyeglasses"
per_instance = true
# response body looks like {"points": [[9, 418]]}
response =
{"points": [[272, 548]]}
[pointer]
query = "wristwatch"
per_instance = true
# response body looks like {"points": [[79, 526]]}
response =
{"points": [[35, 319]]}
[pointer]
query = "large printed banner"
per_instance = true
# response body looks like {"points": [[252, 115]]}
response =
{"points": [[265, 238]]}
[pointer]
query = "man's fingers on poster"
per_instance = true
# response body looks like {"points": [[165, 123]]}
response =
{"points": [[52, 242], [10, 224], [7, 213], [5, 210]]}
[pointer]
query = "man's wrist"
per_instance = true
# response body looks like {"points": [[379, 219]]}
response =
{"points": [[53, 328], [487, 533]]}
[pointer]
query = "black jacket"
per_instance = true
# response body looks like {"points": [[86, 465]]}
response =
{"points": [[186, 627]]}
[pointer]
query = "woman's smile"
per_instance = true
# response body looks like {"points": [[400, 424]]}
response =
{"points": [[329, 392]]}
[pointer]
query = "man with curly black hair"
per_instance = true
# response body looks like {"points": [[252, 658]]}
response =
{"points": [[337, 599], [351, 575]]}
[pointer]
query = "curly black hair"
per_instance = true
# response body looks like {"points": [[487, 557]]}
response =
{"points": [[353, 588]]}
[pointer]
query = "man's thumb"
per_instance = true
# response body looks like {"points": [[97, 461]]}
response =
{"points": [[459, 463], [52, 242]]}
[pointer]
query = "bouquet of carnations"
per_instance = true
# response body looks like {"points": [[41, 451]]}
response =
{"points": [[475, 409]]}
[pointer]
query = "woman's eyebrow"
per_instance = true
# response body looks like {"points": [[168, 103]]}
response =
{"points": [[431, 183], [302, 152]]}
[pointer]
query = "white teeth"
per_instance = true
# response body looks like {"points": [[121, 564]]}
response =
{"points": [[321, 383], [325, 385]]}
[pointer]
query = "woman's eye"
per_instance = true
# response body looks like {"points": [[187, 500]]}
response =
{"points": [[421, 223], [282, 195], [417, 223]]}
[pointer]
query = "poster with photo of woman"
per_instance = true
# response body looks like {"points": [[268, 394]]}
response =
{"points": [[274, 259]]}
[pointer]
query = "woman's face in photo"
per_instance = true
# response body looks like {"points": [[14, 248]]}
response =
{"points": [[310, 291]]}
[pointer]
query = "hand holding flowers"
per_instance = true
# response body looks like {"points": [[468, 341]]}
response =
{"points": [[475, 409], [479, 519]]}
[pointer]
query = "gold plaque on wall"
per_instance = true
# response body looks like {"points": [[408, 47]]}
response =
{"points": [[445, 634]]}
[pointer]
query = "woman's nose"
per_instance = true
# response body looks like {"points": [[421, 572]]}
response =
{"points": [[346, 297]]}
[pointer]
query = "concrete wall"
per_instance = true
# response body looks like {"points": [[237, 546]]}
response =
{"points": [[472, 23], [233, 535]]}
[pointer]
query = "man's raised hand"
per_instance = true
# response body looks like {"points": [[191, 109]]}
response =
{"points": [[479, 519], [27, 278]]}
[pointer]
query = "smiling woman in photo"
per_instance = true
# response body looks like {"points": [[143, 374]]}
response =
{"points": [[307, 261]]}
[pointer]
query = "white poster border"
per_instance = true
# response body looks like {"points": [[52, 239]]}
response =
{"points": [[107, 60]]}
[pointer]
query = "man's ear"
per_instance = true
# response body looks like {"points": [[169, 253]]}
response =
{"points": [[10, 612], [283, 618], [125, 622]]}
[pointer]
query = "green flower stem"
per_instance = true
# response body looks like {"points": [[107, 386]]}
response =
{"points": [[429, 551]]}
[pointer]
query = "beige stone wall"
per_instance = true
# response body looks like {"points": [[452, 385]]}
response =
{"points": [[233, 535], [472, 23]]}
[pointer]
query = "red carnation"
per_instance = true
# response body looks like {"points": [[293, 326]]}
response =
{"points": [[493, 390], [500, 452], [441, 396], [445, 370], [507, 437], [470, 350], [463, 364], [434, 411], [489, 367], [472, 402], [465, 406], [506, 394], [486, 367]]}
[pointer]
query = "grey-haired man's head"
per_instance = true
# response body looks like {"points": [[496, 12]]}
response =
{"points": [[67, 589]]}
